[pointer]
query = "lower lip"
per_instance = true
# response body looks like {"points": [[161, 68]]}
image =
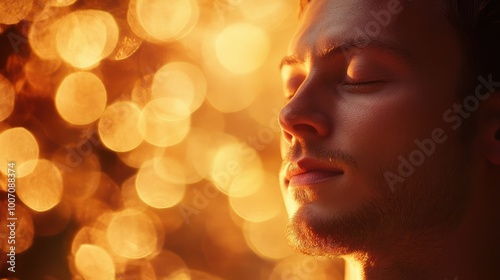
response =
{"points": [[311, 178]]}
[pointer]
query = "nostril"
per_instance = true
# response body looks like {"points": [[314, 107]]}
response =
{"points": [[305, 129]]}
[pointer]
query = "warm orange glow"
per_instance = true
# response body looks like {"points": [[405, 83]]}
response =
{"points": [[301, 266], [13, 11], [7, 98], [132, 234], [243, 92], [140, 155], [53, 221], [20, 146], [237, 170], [94, 263], [75, 167], [164, 122], [139, 269], [242, 48], [85, 37], [167, 263], [42, 189], [81, 98], [118, 127], [61, 3], [181, 81], [267, 239], [268, 13], [88, 235], [162, 21], [142, 133], [261, 205], [159, 191], [42, 38], [130, 196]]}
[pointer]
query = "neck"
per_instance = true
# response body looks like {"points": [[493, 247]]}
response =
{"points": [[469, 252]]}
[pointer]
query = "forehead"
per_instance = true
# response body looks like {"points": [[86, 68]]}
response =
{"points": [[419, 26], [419, 29]]}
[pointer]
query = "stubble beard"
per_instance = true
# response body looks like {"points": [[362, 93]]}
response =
{"points": [[428, 206]]}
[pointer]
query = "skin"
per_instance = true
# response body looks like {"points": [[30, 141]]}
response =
{"points": [[357, 110]]}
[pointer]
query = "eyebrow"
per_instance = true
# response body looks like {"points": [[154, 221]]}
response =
{"points": [[346, 46]]}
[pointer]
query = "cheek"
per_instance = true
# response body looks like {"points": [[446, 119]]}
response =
{"points": [[380, 127]]}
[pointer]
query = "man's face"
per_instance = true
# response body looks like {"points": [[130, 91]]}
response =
{"points": [[365, 81]]}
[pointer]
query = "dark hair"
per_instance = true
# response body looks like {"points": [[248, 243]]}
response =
{"points": [[477, 23]]}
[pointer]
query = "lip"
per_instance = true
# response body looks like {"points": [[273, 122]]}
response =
{"points": [[308, 171]]}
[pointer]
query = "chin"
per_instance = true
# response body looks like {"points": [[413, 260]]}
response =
{"points": [[316, 230]]}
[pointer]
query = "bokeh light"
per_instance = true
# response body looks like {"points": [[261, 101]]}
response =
{"points": [[262, 204], [94, 263], [81, 98], [42, 189], [159, 189], [237, 170], [145, 139], [18, 145], [182, 81], [13, 11], [242, 47], [267, 239], [61, 3], [119, 127], [85, 37], [162, 21], [132, 234], [7, 98], [164, 122]]}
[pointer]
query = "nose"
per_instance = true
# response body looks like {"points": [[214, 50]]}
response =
{"points": [[303, 118]]}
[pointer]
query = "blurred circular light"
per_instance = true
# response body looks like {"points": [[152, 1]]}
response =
{"points": [[118, 127], [85, 37], [42, 189], [267, 239], [164, 122], [139, 269], [140, 155], [94, 263], [304, 267], [268, 13], [13, 11], [163, 21], [167, 263], [61, 3], [170, 169], [132, 234], [242, 47], [155, 190], [81, 98], [237, 170], [182, 81], [42, 38], [7, 98], [202, 145], [261, 205], [88, 235], [232, 94], [20, 146]]}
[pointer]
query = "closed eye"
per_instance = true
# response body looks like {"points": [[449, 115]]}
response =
{"points": [[363, 87]]}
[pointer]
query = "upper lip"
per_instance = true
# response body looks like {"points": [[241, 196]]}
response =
{"points": [[305, 165]]}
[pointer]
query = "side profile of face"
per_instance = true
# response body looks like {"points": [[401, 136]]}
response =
{"points": [[367, 82]]}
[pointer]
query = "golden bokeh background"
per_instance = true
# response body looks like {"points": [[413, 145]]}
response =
{"points": [[146, 140]]}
